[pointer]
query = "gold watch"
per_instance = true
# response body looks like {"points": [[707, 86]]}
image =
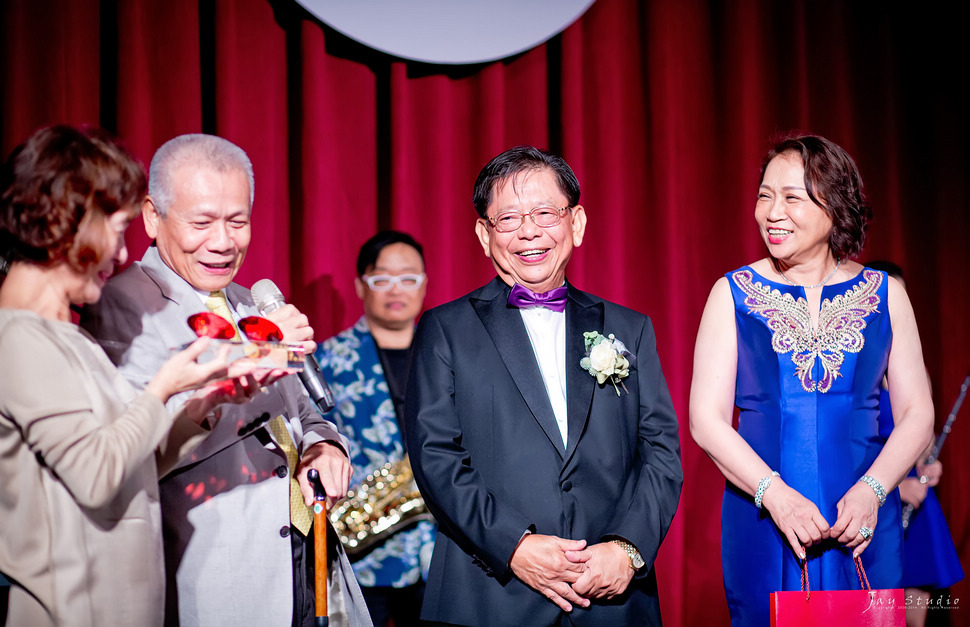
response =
{"points": [[636, 560]]}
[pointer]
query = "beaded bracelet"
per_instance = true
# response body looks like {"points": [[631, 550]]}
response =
{"points": [[762, 486], [876, 487]]}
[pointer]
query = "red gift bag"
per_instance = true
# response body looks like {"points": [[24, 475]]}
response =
{"points": [[855, 608]]}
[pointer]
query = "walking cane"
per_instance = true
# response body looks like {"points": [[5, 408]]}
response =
{"points": [[319, 547]]}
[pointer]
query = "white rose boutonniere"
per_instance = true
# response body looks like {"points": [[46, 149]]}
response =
{"points": [[607, 359]]}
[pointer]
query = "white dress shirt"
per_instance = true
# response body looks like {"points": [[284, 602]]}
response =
{"points": [[547, 332]]}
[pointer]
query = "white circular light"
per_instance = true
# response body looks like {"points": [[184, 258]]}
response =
{"points": [[449, 31]]}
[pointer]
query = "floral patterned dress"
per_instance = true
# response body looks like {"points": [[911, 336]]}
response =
{"points": [[365, 414], [808, 402]]}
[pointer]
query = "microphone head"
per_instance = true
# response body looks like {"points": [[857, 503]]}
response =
{"points": [[267, 296]]}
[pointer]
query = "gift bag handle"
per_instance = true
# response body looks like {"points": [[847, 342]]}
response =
{"points": [[863, 579]]}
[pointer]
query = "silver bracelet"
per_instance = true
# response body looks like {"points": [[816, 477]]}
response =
{"points": [[876, 487], [762, 486]]}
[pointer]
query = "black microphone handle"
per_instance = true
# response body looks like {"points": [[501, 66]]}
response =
{"points": [[315, 384]]}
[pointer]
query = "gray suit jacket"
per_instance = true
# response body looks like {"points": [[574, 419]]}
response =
{"points": [[225, 506]]}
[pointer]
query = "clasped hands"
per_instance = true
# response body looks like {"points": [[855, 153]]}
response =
{"points": [[568, 573], [800, 521]]}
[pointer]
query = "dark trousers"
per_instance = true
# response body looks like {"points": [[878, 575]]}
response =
{"points": [[304, 586], [400, 605], [4, 596]]}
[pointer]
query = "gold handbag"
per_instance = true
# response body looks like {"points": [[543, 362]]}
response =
{"points": [[387, 500]]}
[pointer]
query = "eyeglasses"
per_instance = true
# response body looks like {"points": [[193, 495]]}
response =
{"points": [[385, 282], [510, 221]]}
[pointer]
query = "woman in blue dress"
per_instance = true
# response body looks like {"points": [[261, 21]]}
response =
{"points": [[800, 342]]}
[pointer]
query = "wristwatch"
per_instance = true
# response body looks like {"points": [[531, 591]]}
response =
{"points": [[636, 560]]}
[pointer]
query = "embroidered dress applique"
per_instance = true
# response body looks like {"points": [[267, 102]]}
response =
{"points": [[841, 321]]}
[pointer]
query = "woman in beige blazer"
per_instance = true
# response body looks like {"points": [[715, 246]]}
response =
{"points": [[81, 540]]}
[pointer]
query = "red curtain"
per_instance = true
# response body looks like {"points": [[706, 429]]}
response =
{"points": [[663, 107]]}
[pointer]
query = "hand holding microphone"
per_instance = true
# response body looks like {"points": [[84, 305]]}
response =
{"points": [[295, 326]]}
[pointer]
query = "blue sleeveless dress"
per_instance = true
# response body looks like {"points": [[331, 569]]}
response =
{"points": [[809, 406]]}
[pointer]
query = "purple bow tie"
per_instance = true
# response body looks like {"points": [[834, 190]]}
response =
{"points": [[523, 297]]}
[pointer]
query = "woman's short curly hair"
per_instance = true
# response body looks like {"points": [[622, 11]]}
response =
{"points": [[59, 187], [833, 182]]}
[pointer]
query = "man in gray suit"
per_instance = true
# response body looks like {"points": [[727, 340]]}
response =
{"points": [[233, 557]]}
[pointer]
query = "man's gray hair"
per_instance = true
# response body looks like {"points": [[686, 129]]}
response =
{"points": [[195, 149]]}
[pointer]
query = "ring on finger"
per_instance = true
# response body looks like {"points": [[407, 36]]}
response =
{"points": [[865, 532]]}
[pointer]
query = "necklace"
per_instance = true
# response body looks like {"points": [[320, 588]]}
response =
{"points": [[808, 287]]}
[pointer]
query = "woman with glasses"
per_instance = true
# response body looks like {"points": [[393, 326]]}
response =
{"points": [[367, 367]]}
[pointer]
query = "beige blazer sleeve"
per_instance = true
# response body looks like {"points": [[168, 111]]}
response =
{"points": [[90, 453]]}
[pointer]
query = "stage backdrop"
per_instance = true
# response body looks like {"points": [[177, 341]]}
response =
{"points": [[663, 107]]}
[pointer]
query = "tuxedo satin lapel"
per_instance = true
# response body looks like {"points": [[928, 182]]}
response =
{"points": [[504, 325], [582, 315]]}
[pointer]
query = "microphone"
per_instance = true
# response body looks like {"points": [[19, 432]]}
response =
{"points": [[269, 298]]}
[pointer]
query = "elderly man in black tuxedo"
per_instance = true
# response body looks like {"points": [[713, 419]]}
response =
{"points": [[539, 425]]}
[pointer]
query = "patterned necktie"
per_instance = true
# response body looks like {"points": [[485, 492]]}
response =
{"points": [[217, 304], [523, 297], [300, 515]]}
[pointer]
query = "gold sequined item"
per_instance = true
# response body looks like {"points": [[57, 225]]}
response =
{"points": [[387, 500], [841, 321]]}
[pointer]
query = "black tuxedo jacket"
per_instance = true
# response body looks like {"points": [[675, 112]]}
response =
{"points": [[490, 461]]}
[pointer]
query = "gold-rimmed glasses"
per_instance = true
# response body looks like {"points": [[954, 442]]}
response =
{"points": [[509, 221]]}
